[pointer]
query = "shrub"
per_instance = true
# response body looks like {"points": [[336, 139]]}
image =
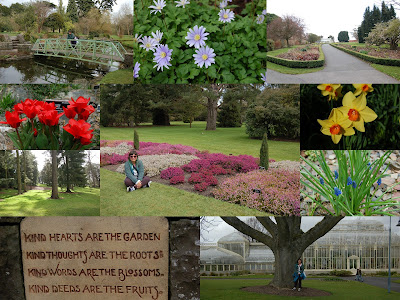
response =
{"points": [[264, 155], [201, 187], [136, 140], [210, 180], [276, 191], [195, 178], [341, 273], [171, 172], [270, 45], [177, 179]]}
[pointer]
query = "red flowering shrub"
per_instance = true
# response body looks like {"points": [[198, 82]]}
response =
{"points": [[42, 130], [177, 179], [195, 178], [211, 180], [201, 187], [171, 172]]}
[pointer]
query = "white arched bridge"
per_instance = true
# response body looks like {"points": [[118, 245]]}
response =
{"points": [[96, 51]]}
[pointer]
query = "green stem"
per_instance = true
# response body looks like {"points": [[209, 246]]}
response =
{"points": [[19, 138], [163, 18]]}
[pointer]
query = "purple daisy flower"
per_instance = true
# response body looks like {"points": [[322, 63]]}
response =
{"points": [[204, 56], [226, 15], [158, 6], [162, 57], [264, 12], [137, 38], [260, 19], [182, 3], [264, 77], [157, 36], [223, 4], [136, 70], [196, 37], [148, 43]]}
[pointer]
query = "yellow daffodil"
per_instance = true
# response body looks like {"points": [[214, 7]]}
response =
{"points": [[336, 125], [357, 111], [334, 91], [362, 88]]}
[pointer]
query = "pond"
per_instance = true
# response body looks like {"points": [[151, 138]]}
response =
{"points": [[51, 70]]}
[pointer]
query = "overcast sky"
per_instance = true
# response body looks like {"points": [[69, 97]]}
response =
{"points": [[323, 17], [42, 155], [218, 228], [116, 7]]}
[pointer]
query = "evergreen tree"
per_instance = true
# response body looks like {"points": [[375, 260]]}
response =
{"points": [[24, 166], [264, 153], [84, 6], [229, 114], [72, 169], [136, 144], [72, 11]]}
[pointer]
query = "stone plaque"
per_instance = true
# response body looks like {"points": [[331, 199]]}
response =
{"points": [[95, 257]]}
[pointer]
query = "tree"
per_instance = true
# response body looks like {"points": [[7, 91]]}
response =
{"points": [[42, 10], [24, 166], [343, 36], [388, 32], [54, 21], [19, 174], [73, 172], [332, 38], [83, 7], [92, 171], [54, 175], [27, 19], [286, 240], [313, 38], [286, 28], [264, 153], [72, 11]]}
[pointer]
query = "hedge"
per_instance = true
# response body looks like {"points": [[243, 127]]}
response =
{"points": [[297, 63], [369, 58]]}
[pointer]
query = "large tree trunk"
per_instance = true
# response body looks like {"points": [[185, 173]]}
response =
{"points": [[24, 165], [19, 174], [54, 175], [286, 240], [212, 105], [67, 170]]}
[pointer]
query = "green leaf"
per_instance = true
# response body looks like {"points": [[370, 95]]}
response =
{"points": [[194, 72], [212, 72], [248, 52], [41, 141]]}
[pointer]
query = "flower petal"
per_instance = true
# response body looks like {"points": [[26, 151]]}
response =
{"points": [[359, 125], [336, 138], [348, 99], [349, 131], [368, 114], [360, 103]]}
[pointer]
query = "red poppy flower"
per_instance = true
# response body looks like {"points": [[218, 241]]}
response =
{"points": [[13, 119], [50, 117], [19, 108], [69, 112], [79, 105], [80, 130]]}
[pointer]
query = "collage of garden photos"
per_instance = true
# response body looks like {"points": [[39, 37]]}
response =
{"points": [[195, 149]]}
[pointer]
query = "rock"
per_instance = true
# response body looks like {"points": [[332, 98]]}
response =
{"points": [[378, 193], [396, 195], [394, 175], [393, 156], [397, 187], [394, 165], [2, 142], [332, 157], [388, 181]]}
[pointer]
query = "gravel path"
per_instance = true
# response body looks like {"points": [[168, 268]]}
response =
{"points": [[340, 67]]}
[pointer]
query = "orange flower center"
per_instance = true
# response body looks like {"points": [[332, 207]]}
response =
{"points": [[335, 129], [365, 88], [328, 88], [353, 115]]}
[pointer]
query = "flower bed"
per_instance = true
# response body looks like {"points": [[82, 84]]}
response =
{"points": [[373, 51], [302, 54], [275, 191]]}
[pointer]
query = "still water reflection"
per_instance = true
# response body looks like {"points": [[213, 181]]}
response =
{"points": [[50, 70]]}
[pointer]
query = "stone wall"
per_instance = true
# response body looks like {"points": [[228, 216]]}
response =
{"points": [[184, 275]]}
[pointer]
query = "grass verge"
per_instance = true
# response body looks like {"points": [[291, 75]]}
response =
{"points": [[160, 200], [223, 140], [123, 76], [292, 71], [392, 71], [83, 202], [230, 289]]}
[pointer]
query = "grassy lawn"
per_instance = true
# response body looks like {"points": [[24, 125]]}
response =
{"points": [[123, 76], [392, 71], [230, 289], [7, 193], [223, 140], [160, 200], [84, 202]]}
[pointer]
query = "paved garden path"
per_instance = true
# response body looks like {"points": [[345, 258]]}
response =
{"points": [[381, 282], [340, 67]]}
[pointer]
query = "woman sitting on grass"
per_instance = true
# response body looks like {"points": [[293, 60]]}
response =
{"points": [[134, 172]]}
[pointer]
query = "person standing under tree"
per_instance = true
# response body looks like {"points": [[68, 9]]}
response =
{"points": [[298, 274]]}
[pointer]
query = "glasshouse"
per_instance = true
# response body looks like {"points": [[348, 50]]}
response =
{"points": [[348, 246]]}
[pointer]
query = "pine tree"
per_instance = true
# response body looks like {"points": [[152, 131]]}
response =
{"points": [[136, 144], [264, 154], [72, 11]]}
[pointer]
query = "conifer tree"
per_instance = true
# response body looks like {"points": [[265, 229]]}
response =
{"points": [[136, 144], [264, 153]]}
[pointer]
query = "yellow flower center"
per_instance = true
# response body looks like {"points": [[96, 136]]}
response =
{"points": [[159, 7], [335, 129], [365, 88], [328, 88], [197, 37], [163, 54], [353, 115], [148, 45], [204, 56], [225, 16]]}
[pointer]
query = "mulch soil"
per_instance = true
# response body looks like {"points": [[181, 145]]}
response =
{"points": [[183, 186], [270, 290]]}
